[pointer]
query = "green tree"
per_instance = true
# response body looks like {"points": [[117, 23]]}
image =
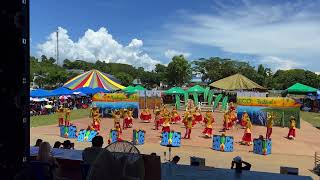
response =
{"points": [[125, 78], [178, 71]]}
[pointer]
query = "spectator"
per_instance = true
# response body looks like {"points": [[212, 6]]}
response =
{"points": [[57, 144], [175, 160], [38, 142], [67, 145], [153, 154], [237, 161], [90, 154], [44, 155]]}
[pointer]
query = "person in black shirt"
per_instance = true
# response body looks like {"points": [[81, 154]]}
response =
{"points": [[237, 162]]}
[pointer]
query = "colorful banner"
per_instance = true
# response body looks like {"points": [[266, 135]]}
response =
{"points": [[267, 102], [115, 97]]}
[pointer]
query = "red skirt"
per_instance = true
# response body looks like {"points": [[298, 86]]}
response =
{"points": [[145, 117], [247, 137], [292, 132], [230, 124], [243, 123], [198, 118], [176, 118], [161, 120], [96, 126], [207, 131], [166, 129]]}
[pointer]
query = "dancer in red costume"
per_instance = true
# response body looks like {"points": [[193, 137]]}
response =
{"points": [[116, 121], [128, 121], [292, 128], [232, 107], [96, 120], [145, 116], [175, 116], [232, 118], [166, 123], [68, 117], [269, 125], [198, 118], [157, 117], [247, 138], [245, 118], [60, 116], [208, 121], [188, 123]]}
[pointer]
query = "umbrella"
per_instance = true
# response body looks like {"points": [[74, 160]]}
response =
{"points": [[63, 97], [79, 93], [85, 90], [43, 99], [40, 93], [48, 106], [100, 90], [61, 91]]}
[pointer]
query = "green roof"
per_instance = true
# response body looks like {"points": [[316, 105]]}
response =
{"points": [[196, 89], [301, 88], [236, 82], [175, 90]]}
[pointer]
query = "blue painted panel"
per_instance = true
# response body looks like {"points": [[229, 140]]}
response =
{"points": [[216, 143], [269, 146], [176, 139], [62, 131], [164, 139], [72, 133], [81, 135], [258, 146], [228, 146], [92, 134], [114, 136], [141, 137]]}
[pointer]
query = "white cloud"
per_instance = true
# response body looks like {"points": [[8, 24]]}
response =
{"points": [[279, 63], [287, 30], [97, 45], [171, 52]]}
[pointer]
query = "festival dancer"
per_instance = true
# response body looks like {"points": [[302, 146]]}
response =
{"points": [[208, 120], [246, 139], [231, 107], [145, 116], [116, 121], [269, 125], [60, 115], [188, 123], [197, 115], [232, 117], [226, 120], [96, 120], [157, 117], [175, 116], [149, 115], [166, 123], [292, 128], [67, 117], [127, 121], [244, 119]]}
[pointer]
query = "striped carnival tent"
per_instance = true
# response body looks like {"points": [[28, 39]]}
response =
{"points": [[94, 79]]}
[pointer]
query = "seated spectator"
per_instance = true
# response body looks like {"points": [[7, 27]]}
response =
{"points": [[44, 155], [68, 145], [38, 142], [238, 162], [175, 160], [57, 144], [90, 154]]}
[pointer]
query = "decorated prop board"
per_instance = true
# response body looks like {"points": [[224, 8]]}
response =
{"points": [[222, 143], [68, 131], [107, 107], [113, 136], [115, 97], [172, 139], [86, 135], [138, 137], [267, 101], [258, 115], [262, 147]]}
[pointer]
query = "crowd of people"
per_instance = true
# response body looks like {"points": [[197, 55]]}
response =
{"points": [[50, 105]]}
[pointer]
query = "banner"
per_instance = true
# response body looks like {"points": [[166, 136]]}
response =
{"points": [[267, 101]]}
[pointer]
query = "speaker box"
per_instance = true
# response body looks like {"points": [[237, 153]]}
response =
{"points": [[14, 86]]}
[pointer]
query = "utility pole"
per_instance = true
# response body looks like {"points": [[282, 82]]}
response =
{"points": [[57, 58]]}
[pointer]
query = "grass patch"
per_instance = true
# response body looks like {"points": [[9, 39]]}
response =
{"points": [[311, 117], [44, 120]]}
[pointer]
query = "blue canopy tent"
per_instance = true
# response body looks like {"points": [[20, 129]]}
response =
{"points": [[61, 91], [85, 90], [100, 90], [40, 93]]}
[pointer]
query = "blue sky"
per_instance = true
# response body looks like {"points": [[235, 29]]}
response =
{"points": [[279, 34]]}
